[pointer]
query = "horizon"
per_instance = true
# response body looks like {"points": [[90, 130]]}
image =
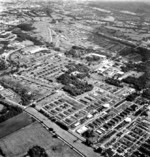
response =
{"points": [[148, 1], [112, 0]]}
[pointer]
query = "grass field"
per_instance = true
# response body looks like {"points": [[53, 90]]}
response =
{"points": [[1, 107], [14, 124], [18, 143]]}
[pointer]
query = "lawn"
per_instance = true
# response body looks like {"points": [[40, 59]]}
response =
{"points": [[1, 107], [13, 124], [18, 143]]}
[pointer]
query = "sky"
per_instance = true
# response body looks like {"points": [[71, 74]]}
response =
{"points": [[109, 0], [121, 0], [118, 0], [90, 0], [93, 0]]}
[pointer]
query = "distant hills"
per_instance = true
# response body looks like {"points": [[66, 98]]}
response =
{"points": [[140, 7]]}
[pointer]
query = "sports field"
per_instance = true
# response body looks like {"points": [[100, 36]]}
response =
{"points": [[14, 124], [1, 107], [18, 143]]}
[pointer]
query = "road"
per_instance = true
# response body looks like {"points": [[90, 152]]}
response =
{"points": [[8, 55], [63, 135], [6, 100], [39, 82]]}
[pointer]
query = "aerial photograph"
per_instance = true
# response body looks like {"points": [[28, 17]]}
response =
{"points": [[74, 78]]}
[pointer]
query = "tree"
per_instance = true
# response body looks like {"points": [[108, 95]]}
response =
{"points": [[113, 82], [138, 83], [88, 134], [88, 142], [9, 112], [146, 93], [73, 84], [131, 97], [25, 27], [37, 151], [3, 65], [24, 92], [2, 153]]}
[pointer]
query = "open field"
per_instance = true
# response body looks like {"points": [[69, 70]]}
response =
{"points": [[14, 124], [1, 107], [18, 143]]}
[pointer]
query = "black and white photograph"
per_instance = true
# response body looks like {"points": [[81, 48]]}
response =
{"points": [[74, 78]]}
